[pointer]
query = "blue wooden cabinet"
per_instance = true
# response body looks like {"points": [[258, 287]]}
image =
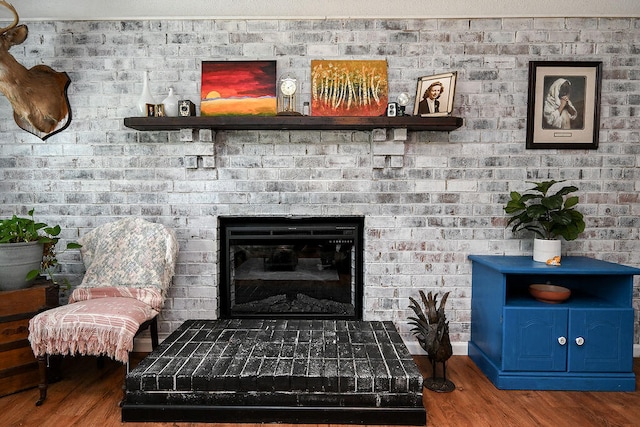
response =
{"points": [[584, 343]]}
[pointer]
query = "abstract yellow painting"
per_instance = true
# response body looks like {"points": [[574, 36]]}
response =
{"points": [[349, 87]]}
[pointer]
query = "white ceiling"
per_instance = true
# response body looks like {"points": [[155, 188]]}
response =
{"points": [[316, 9]]}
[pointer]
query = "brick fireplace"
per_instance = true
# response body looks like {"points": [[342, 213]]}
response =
{"points": [[291, 345]]}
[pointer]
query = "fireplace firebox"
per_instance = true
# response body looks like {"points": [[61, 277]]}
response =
{"points": [[291, 267]]}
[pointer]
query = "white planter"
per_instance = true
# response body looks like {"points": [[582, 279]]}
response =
{"points": [[544, 250]]}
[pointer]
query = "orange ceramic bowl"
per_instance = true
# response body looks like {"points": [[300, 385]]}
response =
{"points": [[549, 293]]}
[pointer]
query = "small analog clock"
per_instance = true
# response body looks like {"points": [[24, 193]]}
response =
{"points": [[288, 87]]}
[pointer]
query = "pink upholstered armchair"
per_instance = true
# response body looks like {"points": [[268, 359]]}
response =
{"points": [[129, 266]]}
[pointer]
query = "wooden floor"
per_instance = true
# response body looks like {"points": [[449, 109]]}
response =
{"points": [[89, 396]]}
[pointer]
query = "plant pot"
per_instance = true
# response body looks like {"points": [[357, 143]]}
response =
{"points": [[16, 261], [545, 250]]}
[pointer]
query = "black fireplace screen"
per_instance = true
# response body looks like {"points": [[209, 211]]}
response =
{"points": [[291, 267]]}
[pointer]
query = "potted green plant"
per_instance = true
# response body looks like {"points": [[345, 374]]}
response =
{"points": [[548, 215], [27, 248]]}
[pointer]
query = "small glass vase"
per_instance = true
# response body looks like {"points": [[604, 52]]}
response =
{"points": [[145, 97]]}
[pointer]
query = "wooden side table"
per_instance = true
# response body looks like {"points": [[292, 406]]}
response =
{"points": [[18, 366]]}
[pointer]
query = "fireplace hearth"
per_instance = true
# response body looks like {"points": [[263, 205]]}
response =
{"points": [[291, 267], [278, 371]]}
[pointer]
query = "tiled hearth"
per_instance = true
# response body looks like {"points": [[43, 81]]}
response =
{"points": [[294, 371]]}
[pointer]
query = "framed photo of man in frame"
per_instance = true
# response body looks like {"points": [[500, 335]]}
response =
{"points": [[434, 96], [563, 108]]}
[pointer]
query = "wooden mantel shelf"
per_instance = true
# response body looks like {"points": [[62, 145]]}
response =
{"points": [[411, 123]]}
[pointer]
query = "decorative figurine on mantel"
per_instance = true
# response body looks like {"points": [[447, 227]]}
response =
{"points": [[432, 331]]}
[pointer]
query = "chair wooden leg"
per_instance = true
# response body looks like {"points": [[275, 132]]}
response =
{"points": [[153, 330], [42, 386]]}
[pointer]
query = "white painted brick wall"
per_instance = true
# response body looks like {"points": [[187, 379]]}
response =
{"points": [[430, 198]]}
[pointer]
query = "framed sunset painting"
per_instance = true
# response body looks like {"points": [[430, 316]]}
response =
{"points": [[238, 88], [349, 88]]}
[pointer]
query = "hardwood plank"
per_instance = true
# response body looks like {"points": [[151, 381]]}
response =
{"points": [[88, 396], [18, 366], [17, 379], [23, 300], [15, 330]]}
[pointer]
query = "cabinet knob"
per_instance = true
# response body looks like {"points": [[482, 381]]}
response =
{"points": [[562, 340], [579, 340]]}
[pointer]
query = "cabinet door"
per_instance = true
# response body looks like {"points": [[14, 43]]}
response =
{"points": [[532, 339], [607, 340]]}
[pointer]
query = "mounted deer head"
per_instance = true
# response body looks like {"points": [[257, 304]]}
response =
{"points": [[38, 95]]}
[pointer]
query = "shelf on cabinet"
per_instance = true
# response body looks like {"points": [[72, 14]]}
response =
{"points": [[411, 123]]}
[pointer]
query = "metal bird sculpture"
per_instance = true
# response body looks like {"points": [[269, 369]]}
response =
{"points": [[432, 331]]}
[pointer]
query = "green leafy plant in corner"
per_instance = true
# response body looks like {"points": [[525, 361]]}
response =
{"points": [[548, 215], [19, 230]]}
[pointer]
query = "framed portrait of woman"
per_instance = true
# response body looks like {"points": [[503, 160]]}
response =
{"points": [[563, 108], [434, 96]]}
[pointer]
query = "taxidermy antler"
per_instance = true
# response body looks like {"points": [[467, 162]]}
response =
{"points": [[38, 95]]}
